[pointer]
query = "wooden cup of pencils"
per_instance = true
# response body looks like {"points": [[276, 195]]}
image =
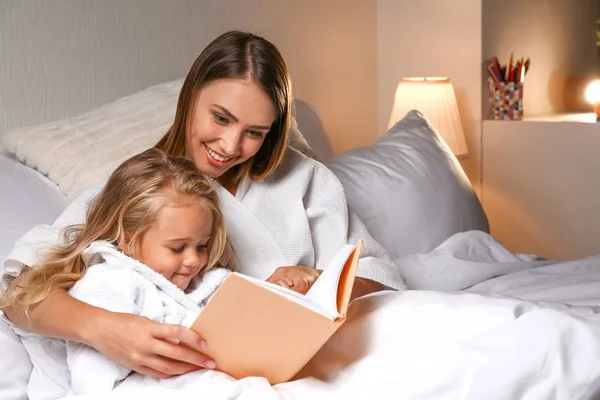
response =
{"points": [[506, 88]]}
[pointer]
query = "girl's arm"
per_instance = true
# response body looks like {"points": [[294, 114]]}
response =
{"points": [[134, 342]]}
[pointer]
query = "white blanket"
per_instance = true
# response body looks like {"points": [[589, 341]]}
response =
{"points": [[479, 343]]}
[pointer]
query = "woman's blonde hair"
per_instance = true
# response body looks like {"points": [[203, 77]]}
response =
{"points": [[124, 210], [238, 55]]}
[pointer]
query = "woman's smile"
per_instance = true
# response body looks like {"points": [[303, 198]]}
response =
{"points": [[217, 159]]}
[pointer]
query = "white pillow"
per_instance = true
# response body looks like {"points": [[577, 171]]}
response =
{"points": [[28, 199], [409, 189], [80, 152]]}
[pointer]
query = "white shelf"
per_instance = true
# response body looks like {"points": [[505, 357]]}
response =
{"points": [[586, 118], [540, 188], [581, 117]]}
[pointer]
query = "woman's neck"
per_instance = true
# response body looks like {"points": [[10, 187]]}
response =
{"points": [[228, 182]]}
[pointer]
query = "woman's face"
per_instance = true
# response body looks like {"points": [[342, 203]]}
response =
{"points": [[230, 120]]}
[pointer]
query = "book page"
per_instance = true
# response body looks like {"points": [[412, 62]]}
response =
{"points": [[325, 289], [292, 295], [322, 296]]}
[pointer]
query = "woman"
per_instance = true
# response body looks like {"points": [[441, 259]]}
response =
{"points": [[282, 209]]}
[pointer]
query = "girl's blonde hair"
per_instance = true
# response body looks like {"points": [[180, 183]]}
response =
{"points": [[238, 55], [124, 210]]}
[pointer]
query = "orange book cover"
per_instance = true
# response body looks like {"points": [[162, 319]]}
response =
{"points": [[254, 328]]}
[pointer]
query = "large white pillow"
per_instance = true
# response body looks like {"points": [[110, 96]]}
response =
{"points": [[82, 151], [79, 152], [409, 189]]}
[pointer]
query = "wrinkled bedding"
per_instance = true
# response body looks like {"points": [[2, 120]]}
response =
{"points": [[484, 324]]}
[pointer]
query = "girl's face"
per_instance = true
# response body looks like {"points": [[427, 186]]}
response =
{"points": [[229, 123], [175, 246]]}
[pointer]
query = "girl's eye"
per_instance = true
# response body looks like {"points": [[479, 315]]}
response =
{"points": [[177, 249], [221, 119], [202, 247]]}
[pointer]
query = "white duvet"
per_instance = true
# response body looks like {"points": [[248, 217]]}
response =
{"points": [[531, 332]]}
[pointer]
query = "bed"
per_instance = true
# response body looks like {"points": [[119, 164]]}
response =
{"points": [[477, 321]]}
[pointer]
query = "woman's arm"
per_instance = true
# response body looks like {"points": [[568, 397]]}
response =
{"points": [[135, 342], [300, 279], [363, 286], [332, 225], [59, 307]]}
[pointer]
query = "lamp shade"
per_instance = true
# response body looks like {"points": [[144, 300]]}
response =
{"points": [[435, 99]]}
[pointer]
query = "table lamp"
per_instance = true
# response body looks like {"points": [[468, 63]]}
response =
{"points": [[592, 95], [435, 99]]}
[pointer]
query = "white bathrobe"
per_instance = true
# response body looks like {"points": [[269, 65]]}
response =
{"points": [[296, 216], [117, 283]]}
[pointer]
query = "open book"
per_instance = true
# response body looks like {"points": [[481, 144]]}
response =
{"points": [[255, 328]]}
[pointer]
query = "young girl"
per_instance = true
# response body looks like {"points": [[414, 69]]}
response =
{"points": [[149, 241]]}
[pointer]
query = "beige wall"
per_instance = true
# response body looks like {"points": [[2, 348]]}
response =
{"points": [[62, 57], [558, 35], [433, 38]]}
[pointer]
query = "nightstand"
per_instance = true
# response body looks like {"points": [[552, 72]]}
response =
{"points": [[541, 184]]}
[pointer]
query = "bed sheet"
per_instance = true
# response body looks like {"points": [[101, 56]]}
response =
{"points": [[27, 198], [532, 333]]}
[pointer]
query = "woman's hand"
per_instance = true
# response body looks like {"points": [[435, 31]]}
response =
{"points": [[147, 346], [299, 278]]}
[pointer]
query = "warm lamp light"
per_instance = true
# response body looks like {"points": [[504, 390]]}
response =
{"points": [[435, 99], [592, 95]]}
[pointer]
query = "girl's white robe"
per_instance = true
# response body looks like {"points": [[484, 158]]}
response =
{"points": [[117, 283]]}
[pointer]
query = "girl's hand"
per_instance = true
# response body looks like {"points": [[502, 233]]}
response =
{"points": [[147, 346], [299, 278]]}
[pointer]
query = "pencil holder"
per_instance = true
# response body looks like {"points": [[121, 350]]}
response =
{"points": [[506, 100]]}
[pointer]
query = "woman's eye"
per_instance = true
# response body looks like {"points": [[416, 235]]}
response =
{"points": [[256, 134], [177, 249], [221, 119]]}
